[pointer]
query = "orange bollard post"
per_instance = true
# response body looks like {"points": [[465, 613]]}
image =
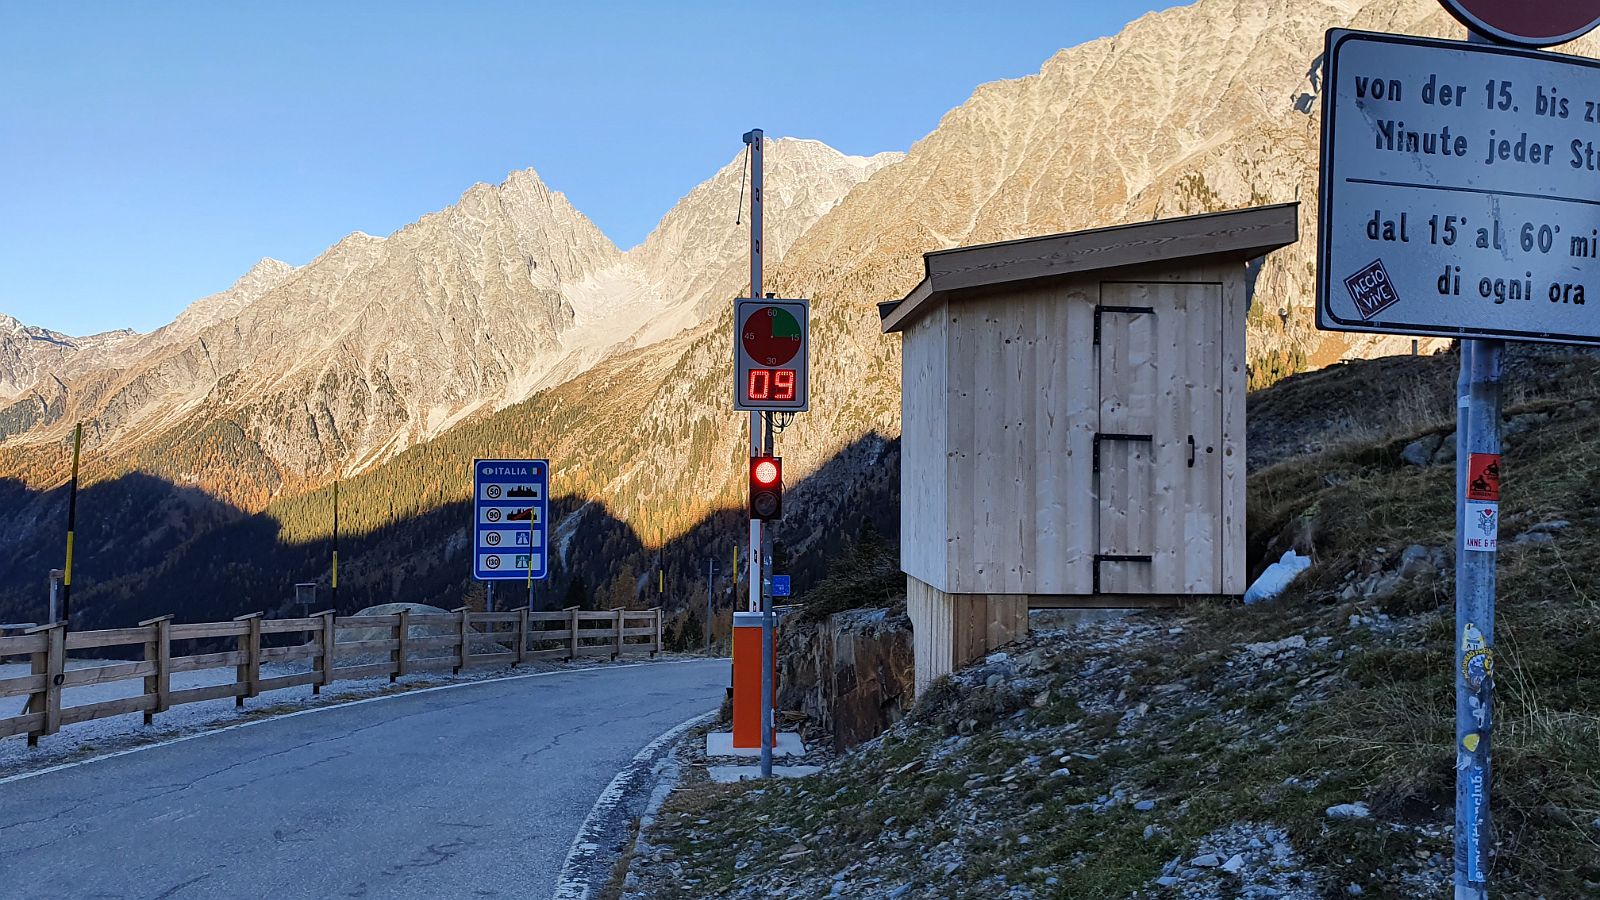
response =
{"points": [[747, 680]]}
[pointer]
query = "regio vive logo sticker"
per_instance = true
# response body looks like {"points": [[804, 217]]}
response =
{"points": [[1371, 289]]}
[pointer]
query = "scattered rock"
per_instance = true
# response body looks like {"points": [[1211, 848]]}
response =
{"points": [[1417, 562], [1234, 864], [1145, 805], [1273, 648], [1357, 810], [1421, 452], [1542, 533], [1206, 861]]}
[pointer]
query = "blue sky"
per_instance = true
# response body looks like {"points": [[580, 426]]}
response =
{"points": [[150, 153]]}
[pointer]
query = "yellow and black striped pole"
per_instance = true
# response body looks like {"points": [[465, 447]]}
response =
{"points": [[336, 545], [72, 525]]}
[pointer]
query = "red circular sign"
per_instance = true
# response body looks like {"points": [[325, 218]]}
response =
{"points": [[1531, 24]]}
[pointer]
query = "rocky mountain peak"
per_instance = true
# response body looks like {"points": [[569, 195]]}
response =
{"points": [[698, 254]]}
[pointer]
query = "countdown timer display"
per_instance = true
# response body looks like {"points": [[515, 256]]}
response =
{"points": [[771, 352]]}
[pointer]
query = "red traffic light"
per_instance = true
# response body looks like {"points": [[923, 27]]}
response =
{"points": [[766, 487], [766, 471]]}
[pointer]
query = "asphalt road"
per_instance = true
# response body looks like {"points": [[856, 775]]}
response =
{"points": [[475, 791]]}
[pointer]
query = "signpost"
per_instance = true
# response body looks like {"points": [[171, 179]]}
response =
{"points": [[72, 529], [711, 606], [760, 438], [1461, 198], [510, 519]]}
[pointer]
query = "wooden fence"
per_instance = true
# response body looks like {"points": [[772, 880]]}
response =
{"points": [[401, 643]]}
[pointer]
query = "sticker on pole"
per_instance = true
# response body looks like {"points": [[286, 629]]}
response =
{"points": [[1477, 658], [1483, 526], [1483, 477], [510, 511], [1460, 190]]}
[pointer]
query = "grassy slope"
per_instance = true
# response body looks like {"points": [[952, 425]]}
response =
{"points": [[1219, 734]]}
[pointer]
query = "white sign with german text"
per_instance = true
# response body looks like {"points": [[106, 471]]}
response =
{"points": [[1460, 191]]}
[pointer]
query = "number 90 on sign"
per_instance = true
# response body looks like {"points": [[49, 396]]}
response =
{"points": [[771, 384]]}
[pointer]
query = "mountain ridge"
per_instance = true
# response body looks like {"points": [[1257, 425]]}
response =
{"points": [[466, 310]]}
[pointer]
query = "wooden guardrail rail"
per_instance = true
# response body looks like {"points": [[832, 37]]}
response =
{"points": [[398, 644]]}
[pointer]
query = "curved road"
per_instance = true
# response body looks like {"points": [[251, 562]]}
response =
{"points": [[473, 791]]}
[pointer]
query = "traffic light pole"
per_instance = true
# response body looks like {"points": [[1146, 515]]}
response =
{"points": [[760, 445]]}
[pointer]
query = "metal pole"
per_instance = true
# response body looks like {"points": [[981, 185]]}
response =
{"points": [[55, 596], [711, 571], [759, 446], [1477, 533], [1475, 602], [72, 527], [488, 596]]}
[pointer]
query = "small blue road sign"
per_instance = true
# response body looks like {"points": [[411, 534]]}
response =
{"points": [[510, 513], [780, 585]]}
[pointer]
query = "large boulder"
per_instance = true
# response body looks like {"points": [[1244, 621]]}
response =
{"points": [[380, 633], [850, 673]]}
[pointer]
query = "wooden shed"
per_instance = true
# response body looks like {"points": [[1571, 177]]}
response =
{"points": [[1073, 424]]}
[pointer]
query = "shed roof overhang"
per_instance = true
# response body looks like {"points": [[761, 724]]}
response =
{"points": [[1243, 235]]}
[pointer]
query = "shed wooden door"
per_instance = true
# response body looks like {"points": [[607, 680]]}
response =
{"points": [[1159, 447]]}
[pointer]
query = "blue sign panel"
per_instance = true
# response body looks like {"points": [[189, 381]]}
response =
{"points": [[510, 513], [780, 585]]}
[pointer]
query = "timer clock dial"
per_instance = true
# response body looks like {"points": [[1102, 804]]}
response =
{"points": [[771, 336]]}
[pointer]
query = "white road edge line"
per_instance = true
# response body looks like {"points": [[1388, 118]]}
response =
{"points": [[573, 883], [23, 776]]}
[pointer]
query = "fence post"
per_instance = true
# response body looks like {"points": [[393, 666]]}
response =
{"points": [[466, 631], [617, 614], [656, 648], [327, 635], [250, 646], [522, 636], [52, 664], [402, 630], [158, 650], [572, 633]]}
